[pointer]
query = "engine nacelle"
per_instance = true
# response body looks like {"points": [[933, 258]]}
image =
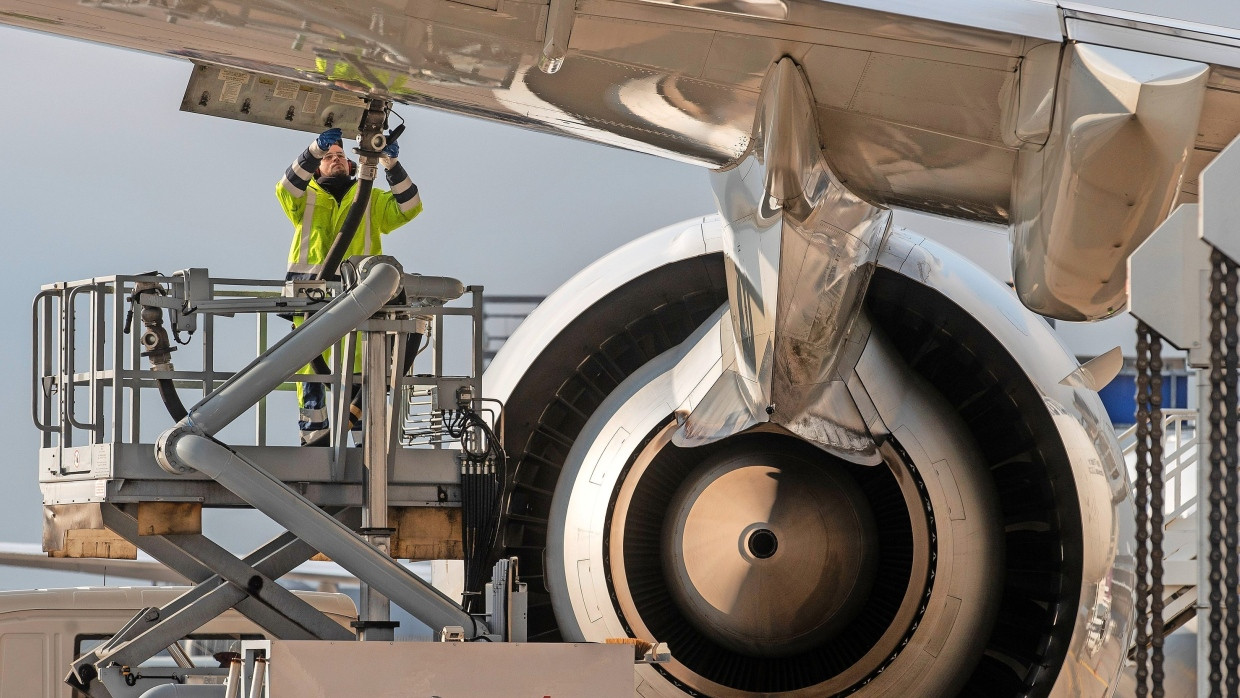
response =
{"points": [[981, 557]]}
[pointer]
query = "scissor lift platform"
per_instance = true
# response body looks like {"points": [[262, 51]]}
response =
{"points": [[123, 473], [123, 478]]}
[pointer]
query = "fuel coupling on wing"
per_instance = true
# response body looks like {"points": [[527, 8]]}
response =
{"points": [[371, 144]]}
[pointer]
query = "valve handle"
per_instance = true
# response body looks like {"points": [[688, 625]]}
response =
{"points": [[395, 134]]}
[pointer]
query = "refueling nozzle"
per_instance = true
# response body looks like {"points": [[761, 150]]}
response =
{"points": [[376, 142], [154, 340], [371, 139]]}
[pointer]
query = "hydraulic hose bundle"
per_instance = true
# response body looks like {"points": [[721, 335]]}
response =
{"points": [[482, 468]]}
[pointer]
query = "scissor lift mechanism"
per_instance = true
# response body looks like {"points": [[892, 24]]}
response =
{"points": [[106, 489]]}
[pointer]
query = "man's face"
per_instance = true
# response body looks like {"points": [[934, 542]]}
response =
{"points": [[334, 163]]}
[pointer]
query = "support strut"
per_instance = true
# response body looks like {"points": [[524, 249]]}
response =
{"points": [[188, 447], [310, 523], [153, 629]]}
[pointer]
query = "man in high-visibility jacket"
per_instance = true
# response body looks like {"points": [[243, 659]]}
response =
{"points": [[316, 193]]}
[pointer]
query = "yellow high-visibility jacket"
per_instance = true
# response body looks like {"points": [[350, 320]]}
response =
{"points": [[317, 217]]}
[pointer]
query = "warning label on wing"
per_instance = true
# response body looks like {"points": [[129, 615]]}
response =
{"points": [[234, 75], [286, 90], [230, 92], [347, 99]]}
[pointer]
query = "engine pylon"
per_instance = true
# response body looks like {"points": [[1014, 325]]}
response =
{"points": [[799, 250]]}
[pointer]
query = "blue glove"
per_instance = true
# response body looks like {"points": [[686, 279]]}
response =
{"points": [[391, 151], [330, 137]]}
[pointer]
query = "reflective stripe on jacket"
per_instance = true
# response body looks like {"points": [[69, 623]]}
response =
{"points": [[317, 217]]}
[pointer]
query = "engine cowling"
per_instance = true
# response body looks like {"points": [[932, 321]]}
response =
{"points": [[977, 559]]}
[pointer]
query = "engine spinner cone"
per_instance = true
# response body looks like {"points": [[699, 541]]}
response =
{"points": [[769, 553]]}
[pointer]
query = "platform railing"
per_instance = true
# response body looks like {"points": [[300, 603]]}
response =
{"points": [[90, 382]]}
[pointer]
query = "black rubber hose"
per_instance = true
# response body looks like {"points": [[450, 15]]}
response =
{"points": [[335, 255], [172, 401], [331, 265], [411, 352]]}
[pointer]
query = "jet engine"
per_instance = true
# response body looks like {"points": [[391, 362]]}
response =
{"points": [[980, 557]]}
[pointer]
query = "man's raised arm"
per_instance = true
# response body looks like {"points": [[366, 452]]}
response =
{"points": [[403, 189]]}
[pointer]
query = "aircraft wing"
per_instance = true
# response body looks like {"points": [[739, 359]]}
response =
{"points": [[917, 101], [145, 567], [986, 111], [31, 555]]}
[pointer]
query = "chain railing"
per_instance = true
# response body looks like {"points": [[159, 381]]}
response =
{"points": [[1219, 501], [1149, 486]]}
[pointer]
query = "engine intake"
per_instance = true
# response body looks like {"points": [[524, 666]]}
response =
{"points": [[963, 552]]}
